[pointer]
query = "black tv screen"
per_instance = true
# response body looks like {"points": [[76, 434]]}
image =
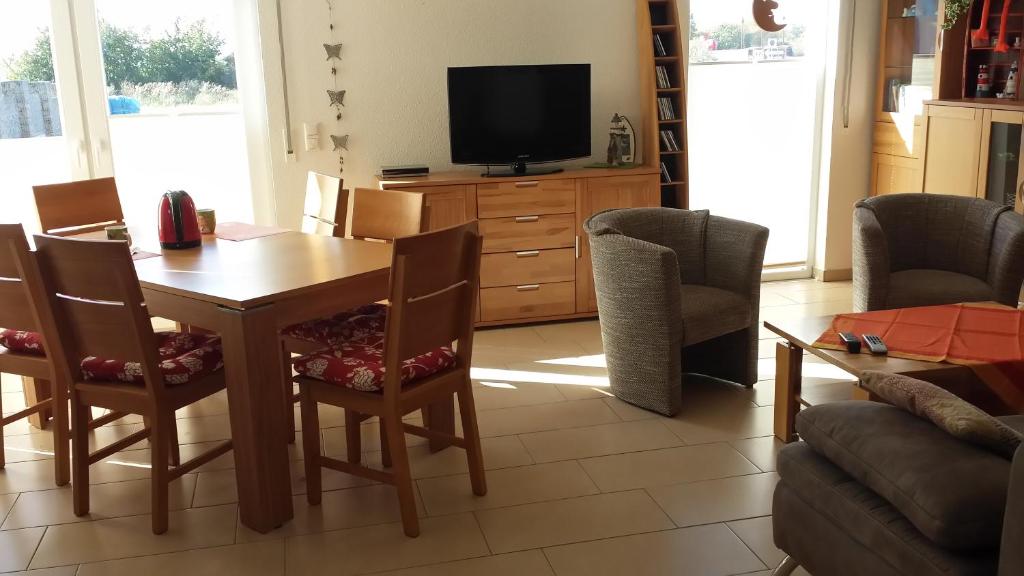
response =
{"points": [[509, 114]]}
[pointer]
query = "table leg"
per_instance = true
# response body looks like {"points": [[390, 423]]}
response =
{"points": [[252, 363], [788, 366], [36, 391]]}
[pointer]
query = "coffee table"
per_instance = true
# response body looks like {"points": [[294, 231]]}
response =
{"points": [[799, 336]]}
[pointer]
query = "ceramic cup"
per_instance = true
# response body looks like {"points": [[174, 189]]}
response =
{"points": [[118, 232], [207, 220]]}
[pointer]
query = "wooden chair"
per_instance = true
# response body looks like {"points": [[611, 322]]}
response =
{"points": [[326, 208], [387, 214], [24, 343], [78, 207], [112, 359], [434, 280]]}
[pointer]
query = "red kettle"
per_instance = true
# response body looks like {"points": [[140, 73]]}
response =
{"points": [[178, 222]]}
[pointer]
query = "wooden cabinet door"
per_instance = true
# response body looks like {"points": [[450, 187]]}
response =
{"points": [[448, 205], [894, 174], [1001, 170], [953, 150], [594, 195]]}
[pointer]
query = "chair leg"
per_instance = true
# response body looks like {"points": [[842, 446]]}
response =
{"points": [[471, 432], [2, 457], [402, 473], [160, 442], [172, 439], [385, 449], [61, 435], [80, 416], [289, 393], [311, 444], [353, 436], [786, 567]]}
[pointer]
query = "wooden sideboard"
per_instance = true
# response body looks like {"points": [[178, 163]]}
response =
{"points": [[536, 263]]}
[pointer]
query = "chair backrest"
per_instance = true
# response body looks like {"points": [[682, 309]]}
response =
{"points": [[77, 207], [97, 304], [18, 279], [326, 206], [434, 280], [387, 214]]}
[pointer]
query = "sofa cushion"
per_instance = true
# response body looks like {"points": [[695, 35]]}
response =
{"points": [[953, 492], [22, 342], [911, 288], [835, 525], [711, 312], [953, 415]]}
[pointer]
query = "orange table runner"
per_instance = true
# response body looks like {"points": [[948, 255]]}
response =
{"points": [[987, 338]]}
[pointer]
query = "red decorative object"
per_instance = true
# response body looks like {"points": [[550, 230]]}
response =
{"points": [[355, 324], [183, 358], [980, 37], [23, 342], [359, 365], [178, 222], [1001, 45]]}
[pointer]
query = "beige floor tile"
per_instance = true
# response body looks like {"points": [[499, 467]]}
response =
{"points": [[532, 563], [385, 547], [586, 333], [628, 412], [333, 439], [700, 551], [60, 571], [491, 395], [132, 536], [6, 503], [696, 427], [329, 479], [522, 338], [507, 487], [584, 391], [571, 520], [770, 299], [338, 509], [111, 500], [761, 451], [214, 405], [27, 476], [667, 466], [260, 559], [500, 452], [26, 447], [600, 440], [757, 534], [718, 500], [17, 547], [204, 429], [525, 419]]}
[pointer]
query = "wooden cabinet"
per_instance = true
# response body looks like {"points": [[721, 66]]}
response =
{"points": [[953, 150], [536, 262], [892, 174], [1001, 171], [595, 195]]}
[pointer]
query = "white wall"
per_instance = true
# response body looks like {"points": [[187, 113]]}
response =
{"points": [[394, 68]]}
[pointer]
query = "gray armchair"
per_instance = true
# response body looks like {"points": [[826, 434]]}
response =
{"points": [[677, 291], [929, 249], [875, 491]]}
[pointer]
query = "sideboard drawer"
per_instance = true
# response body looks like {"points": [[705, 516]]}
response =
{"points": [[527, 301], [528, 198], [528, 267], [528, 233]]}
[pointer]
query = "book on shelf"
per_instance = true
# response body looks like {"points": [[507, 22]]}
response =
{"points": [[665, 176], [663, 79], [666, 109], [659, 46], [666, 146], [672, 141]]}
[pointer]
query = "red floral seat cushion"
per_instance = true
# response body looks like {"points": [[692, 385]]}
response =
{"points": [[355, 324], [359, 365], [23, 342], [184, 358]]}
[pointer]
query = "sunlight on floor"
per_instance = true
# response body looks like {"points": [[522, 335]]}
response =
{"points": [[500, 375]]}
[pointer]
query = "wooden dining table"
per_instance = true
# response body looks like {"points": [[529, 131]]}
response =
{"points": [[247, 292]]}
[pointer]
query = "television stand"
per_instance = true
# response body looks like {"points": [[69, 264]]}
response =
{"points": [[521, 169]]}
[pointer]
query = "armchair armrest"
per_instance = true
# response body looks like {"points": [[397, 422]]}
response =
{"points": [[1011, 553], [638, 297], [1006, 260], [870, 261], [734, 257]]}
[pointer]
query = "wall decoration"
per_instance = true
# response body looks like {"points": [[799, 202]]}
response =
{"points": [[337, 97], [764, 15]]}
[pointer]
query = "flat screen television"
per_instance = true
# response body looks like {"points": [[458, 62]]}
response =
{"points": [[519, 115]]}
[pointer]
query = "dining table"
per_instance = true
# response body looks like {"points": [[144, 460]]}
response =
{"points": [[247, 291]]}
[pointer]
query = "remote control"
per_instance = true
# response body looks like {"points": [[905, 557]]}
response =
{"points": [[875, 344], [851, 341]]}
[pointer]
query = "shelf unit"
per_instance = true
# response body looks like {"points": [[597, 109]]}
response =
{"points": [[659, 20], [997, 62]]}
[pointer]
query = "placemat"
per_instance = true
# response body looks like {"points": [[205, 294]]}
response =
{"points": [[987, 338], [238, 231]]}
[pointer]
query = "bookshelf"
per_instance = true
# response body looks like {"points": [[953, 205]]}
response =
{"points": [[663, 78]]}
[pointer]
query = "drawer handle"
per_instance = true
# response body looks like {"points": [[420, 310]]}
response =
{"points": [[526, 219], [528, 254], [530, 184], [528, 288]]}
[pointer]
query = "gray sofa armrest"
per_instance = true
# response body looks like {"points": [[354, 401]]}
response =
{"points": [[1006, 262], [734, 257], [638, 298], [870, 261], [1011, 553]]}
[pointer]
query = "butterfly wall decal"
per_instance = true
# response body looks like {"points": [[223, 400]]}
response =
{"points": [[337, 97], [340, 142], [333, 51]]}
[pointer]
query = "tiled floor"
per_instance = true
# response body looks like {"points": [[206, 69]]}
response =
{"points": [[580, 483]]}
